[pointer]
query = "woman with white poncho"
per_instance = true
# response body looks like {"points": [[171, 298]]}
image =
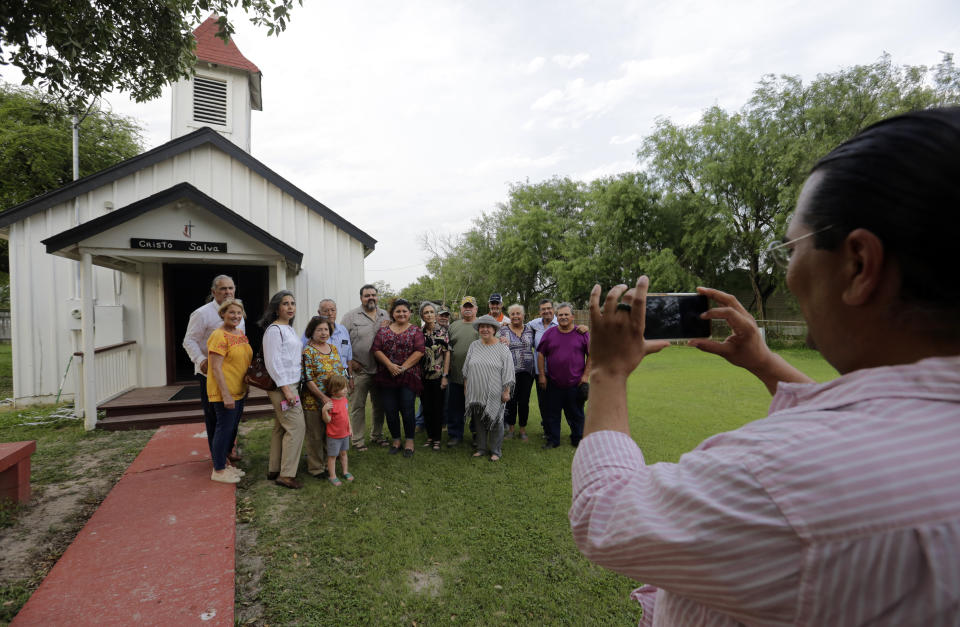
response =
{"points": [[488, 379]]}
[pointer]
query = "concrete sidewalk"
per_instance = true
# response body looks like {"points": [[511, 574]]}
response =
{"points": [[158, 551]]}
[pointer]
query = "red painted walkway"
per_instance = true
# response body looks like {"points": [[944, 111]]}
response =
{"points": [[158, 551]]}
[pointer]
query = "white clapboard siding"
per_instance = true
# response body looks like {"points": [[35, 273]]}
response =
{"points": [[42, 284]]}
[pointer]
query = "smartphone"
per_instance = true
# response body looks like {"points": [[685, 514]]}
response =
{"points": [[676, 316]]}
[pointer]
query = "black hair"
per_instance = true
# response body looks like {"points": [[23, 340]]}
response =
{"points": [[900, 180], [270, 313], [315, 322], [396, 303], [368, 287], [544, 301]]}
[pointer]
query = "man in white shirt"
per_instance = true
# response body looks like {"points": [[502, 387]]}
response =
{"points": [[203, 321]]}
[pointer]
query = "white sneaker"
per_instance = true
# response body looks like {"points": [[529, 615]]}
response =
{"points": [[224, 476], [236, 471]]}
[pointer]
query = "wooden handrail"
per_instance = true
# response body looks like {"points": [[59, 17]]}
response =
{"points": [[104, 349]]}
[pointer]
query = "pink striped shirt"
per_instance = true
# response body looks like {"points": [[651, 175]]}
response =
{"points": [[842, 507]]}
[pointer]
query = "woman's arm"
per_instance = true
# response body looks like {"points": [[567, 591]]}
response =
{"points": [[410, 361], [391, 367], [445, 379], [507, 375], [215, 369], [273, 360], [316, 393]]}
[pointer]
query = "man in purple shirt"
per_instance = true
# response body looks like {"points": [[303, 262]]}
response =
{"points": [[563, 359], [842, 506]]}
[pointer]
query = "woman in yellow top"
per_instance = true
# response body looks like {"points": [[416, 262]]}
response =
{"points": [[228, 357]]}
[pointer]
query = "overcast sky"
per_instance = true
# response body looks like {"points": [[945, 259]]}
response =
{"points": [[405, 117]]}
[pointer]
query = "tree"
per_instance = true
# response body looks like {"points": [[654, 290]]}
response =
{"points": [[76, 51], [737, 175], [36, 146], [626, 229]]}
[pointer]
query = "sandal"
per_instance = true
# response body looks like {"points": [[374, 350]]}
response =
{"points": [[408, 452], [477, 454], [494, 458], [428, 443], [436, 445], [288, 482], [348, 476], [361, 448], [393, 450], [336, 482]]}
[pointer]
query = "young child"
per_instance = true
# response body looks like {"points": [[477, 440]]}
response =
{"points": [[337, 417]]}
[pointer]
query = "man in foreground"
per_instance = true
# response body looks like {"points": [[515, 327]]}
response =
{"points": [[842, 507]]}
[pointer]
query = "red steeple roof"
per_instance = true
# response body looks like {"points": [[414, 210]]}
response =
{"points": [[212, 49]]}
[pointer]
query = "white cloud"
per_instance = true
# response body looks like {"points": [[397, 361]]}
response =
{"points": [[535, 64], [402, 116], [571, 61], [617, 140]]}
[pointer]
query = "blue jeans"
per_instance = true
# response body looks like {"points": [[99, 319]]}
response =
{"points": [[224, 430], [209, 416], [456, 406], [564, 399], [398, 402], [519, 403]]}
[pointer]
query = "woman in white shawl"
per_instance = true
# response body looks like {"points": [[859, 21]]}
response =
{"points": [[488, 380]]}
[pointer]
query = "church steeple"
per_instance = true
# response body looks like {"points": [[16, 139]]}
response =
{"points": [[221, 94]]}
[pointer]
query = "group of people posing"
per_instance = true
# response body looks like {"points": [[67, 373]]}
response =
{"points": [[474, 372]]}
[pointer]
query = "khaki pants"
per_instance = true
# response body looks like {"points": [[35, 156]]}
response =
{"points": [[316, 441], [362, 386], [287, 440]]}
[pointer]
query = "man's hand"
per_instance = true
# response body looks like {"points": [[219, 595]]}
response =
{"points": [[203, 366], [745, 346], [542, 381], [505, 397], [228, 401], [582, 328], [616, 348], [616, 343]]}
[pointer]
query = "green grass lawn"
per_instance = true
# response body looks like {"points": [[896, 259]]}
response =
{"points": [[6, 370], [447, 539]]}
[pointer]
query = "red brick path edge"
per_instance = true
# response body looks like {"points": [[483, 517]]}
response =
{"points": [[158, 551]]}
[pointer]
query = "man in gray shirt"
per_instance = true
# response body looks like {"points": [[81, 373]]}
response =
{"points": [[362, 324], [462, 334]]}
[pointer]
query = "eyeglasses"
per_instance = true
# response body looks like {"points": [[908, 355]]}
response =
{"points": [[779, 253]]}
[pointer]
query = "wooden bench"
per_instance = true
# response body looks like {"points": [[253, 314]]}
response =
{"points": [[15, 470]]}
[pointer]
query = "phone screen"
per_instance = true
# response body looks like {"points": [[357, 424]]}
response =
{"points": [[676, 316]]}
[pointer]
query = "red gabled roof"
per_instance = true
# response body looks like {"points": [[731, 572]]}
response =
{"points": [[212, 49]]}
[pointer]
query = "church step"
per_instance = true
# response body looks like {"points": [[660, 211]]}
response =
{"points": [[152, 420]]}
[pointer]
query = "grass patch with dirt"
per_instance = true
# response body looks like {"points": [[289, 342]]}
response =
{"points": [[72, 471], [445, 538]]}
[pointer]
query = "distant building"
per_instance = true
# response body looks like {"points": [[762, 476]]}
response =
{"points": [[121, 257]]}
